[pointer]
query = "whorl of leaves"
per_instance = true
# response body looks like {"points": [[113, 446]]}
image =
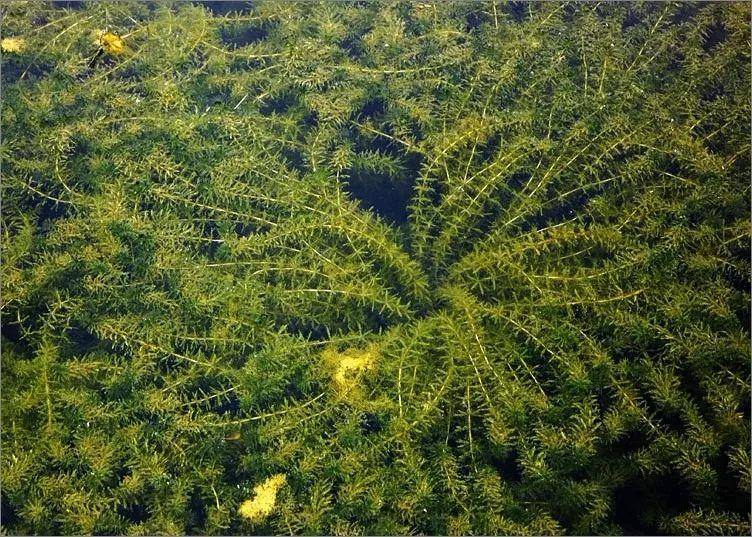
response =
{"points": [[552, 302]]}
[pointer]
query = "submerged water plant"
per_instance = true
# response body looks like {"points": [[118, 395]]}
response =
{"points": [[446, 268]]}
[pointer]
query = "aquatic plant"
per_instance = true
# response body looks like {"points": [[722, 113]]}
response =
{"points": [[448, 268]]}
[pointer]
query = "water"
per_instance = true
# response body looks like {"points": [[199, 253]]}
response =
{"points": [[375, 268]]}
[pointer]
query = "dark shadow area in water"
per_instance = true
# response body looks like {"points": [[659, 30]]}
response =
{"points": [[11, 332], [639, 505], [386, 196], [627, 444], [196, 513], [234, 36], [69, 4], [687, 12], [82, 341], [373, 107], [518, 10], [134, 513], [14, 68], [474, 20], [225, 7], [278, 104], [632, 19], [353, 47], [506, 465], [8, 514], [738, 499], [716, 35], [371, 422]]}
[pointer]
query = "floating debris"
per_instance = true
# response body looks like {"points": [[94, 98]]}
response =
{"points": [[13, 44], [112, 44], [262, 505], [349, 365]]}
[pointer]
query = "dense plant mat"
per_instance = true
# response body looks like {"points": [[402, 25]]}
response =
{"points": [[375, 268]]}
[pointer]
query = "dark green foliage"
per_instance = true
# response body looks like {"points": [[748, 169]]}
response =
{"points": [[559, 312]]}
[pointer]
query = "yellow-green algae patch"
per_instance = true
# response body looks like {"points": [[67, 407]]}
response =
{"points": [[349, 366], [262, 504], [12, 44]]}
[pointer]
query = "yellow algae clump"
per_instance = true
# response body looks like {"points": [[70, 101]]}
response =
{"points": [[262, 504], [112, 44], [349, 365], [12, 44]]}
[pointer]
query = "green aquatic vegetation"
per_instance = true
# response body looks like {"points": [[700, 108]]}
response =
{"points": [[376, 268]]}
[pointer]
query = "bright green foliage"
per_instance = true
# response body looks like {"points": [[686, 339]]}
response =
{"points": [[549, 336]]}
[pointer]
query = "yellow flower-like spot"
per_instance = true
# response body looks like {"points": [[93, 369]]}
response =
{"points": [[12, 44], [112, 44], [262, 504], [349, 365]]}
